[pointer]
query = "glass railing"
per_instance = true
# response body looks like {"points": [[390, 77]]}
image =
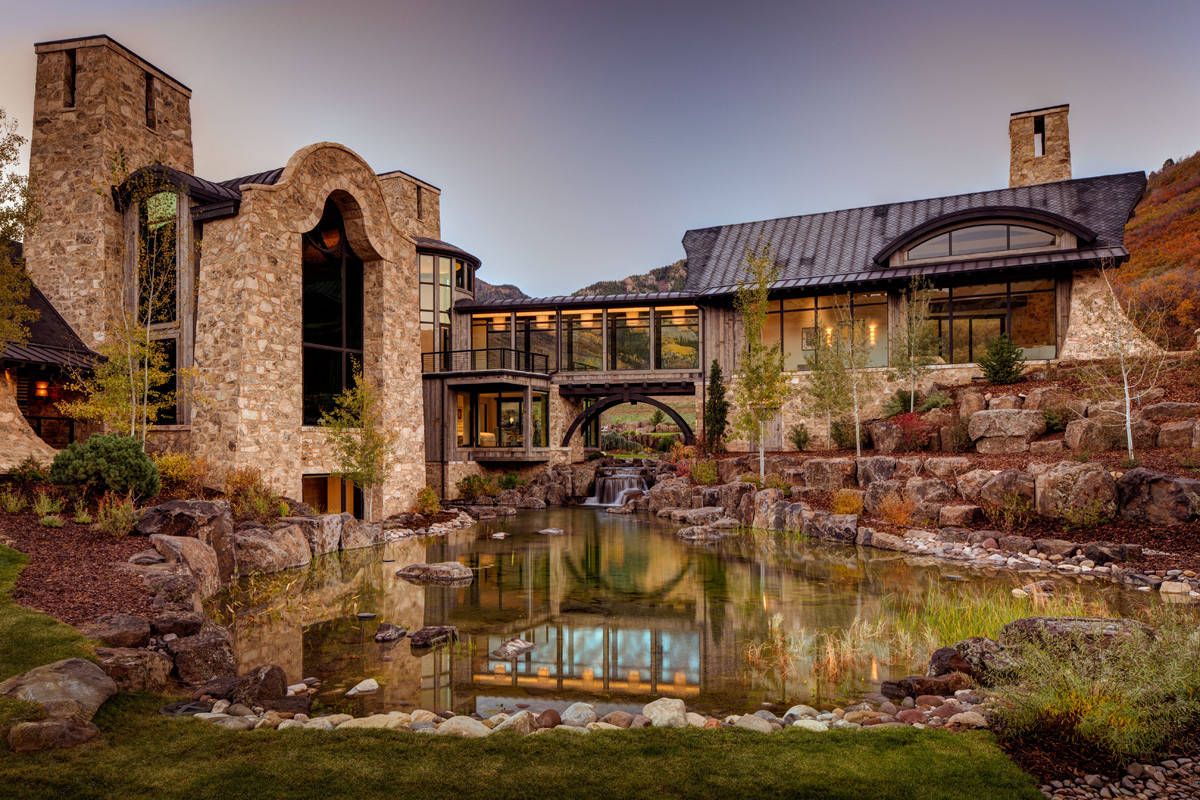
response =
{"points": [[485, 358]]}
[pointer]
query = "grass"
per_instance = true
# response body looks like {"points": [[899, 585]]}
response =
{"points": [[29, 638], [145, 755]]}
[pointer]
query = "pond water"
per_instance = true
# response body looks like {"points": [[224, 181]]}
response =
{"points": [[620, 612]]}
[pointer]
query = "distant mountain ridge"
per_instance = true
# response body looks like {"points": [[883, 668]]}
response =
{"points": [[670, 278]]}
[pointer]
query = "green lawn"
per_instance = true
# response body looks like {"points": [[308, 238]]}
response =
{"points": [[29, 638], [145, 755]]}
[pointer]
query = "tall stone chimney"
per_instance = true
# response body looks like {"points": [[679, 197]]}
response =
{"points": [[1039, 144], [94, 100]]}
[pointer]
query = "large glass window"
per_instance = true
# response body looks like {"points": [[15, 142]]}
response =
{"points": [[491, 341], [677, 338], [499, 419], [629, 338], [976, 239], [157, 273], [969, 317], [539, 420], [798, 323], [427, 271], [583, 348], [332, 313], [536, 333]]}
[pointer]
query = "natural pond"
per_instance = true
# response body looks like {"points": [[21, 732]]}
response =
{"points": [[621, 612]]}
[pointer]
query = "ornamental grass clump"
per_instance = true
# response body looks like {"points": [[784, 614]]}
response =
{"points": [[46, 504], [1133, 698], [115, 515], [12, 501], [704, 472], [250, 497], [847, 501], [427, 502]]}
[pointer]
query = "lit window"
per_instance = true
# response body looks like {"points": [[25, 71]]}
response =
{"points": [[979, 239]]}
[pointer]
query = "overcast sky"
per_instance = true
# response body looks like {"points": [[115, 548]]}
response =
{"points": [[575, 141]]}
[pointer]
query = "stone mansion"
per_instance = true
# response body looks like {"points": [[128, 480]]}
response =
{"points": [[283, 279]]}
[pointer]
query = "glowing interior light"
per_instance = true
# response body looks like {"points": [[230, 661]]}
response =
{"points": [[634, 676], [543, 672], [871, 333], [41, 389], [501, 669]]}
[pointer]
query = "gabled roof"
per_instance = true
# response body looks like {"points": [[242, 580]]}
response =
{"points": [[51, 339], [841, 247]]}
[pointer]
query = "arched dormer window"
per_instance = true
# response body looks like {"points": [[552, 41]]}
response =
{"points": [[983, 232], [979, 240]]}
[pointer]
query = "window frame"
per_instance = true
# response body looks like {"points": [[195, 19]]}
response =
{"points": [[1060, 241]]}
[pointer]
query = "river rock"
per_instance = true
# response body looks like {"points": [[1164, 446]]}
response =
{"points": [[433, 635], [445, 573], [466, 727], [622, 719], [916, 685], [365, 686], [199, 559], [522, 723], [753, 723], [512, 649], [579, 715], [666, 712], [387, 632], [266, 550], [73, 687], [134, 669], [550, 718], [967, 719]]}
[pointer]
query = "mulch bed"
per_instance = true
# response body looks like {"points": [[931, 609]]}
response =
{"points": [[74, 573]]}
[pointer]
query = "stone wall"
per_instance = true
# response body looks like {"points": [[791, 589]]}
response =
{"points": [[1097, 326], [401, 191], [74, 254], [248, 353]]}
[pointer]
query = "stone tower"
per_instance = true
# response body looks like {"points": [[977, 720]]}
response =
{"points": [[1039, 145], [94, 99]]}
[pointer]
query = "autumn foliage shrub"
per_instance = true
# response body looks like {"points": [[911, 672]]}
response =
{"points": [[182, 472], [847, 501], [914, 431], [704, 472], [427, 502], [115, 515], [250, 497], [897, 509]]}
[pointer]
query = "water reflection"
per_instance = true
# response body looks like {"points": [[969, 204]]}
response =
{"points": [[619, 612]]}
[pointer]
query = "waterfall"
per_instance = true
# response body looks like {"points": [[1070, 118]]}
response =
{"points": [[614, 486]]}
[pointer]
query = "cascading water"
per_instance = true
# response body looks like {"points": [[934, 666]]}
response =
{"points": [[615, 485]]}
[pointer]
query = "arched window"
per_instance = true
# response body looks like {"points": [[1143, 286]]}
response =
{"points": [[972, 240], [332, 313]]}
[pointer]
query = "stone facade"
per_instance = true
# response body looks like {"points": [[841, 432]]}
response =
{"points": [[1025, 166], [75, 254], [1098, 328], [20, 442], [249, 352]]}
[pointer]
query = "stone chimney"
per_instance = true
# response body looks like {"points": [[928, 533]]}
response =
{"points": [[1039, 144]]}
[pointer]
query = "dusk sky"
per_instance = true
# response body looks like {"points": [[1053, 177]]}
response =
{"points": [[577, 141]]}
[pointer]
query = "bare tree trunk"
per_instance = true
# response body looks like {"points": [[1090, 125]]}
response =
{"points": [[762, 451]]}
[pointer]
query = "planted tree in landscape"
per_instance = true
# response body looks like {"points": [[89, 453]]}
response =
{"points": [[360, 440], [827, 392], [1002, 362], [17, 214], [761, 387], [915, 345], [1131, 363], [853, 350], [716, 410], [135, 383]]}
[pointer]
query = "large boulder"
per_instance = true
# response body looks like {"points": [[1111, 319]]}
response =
{"points": [[73, 687], [832, 527], [970, 402], [669, 493], [357, 534], [769, 506], [878, 491], [1178, 435], [875, 468], [1006, 423], [324, 533], [265, 686], [1150, 496], [210, 521], [135, 669], [886, 436], [445, 573], [1053, 398], [199, 558], [928, 495], [970, 484], [729, 495], [666, 712], [203, 657], [1074, 491], [1159, 413], [265, 550], [1005, 487], [829, 474], [120, 630], [948, 468], [1090, 435]]}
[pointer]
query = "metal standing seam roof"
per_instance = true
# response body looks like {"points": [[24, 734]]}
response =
{"points": [[570, 300], [839, 247], [51, 339], [445, 248]]}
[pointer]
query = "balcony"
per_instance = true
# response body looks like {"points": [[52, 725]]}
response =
{"points": [[484, 360]]}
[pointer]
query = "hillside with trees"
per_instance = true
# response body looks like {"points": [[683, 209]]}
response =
{"points": [[670, 278], [1163, 239]]}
